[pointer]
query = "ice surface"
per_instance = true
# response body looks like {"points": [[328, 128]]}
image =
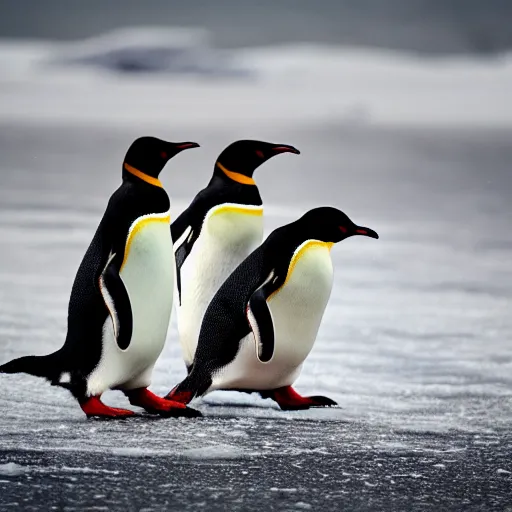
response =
{"points": [[415, 337], [216, 452], [416, 334]]}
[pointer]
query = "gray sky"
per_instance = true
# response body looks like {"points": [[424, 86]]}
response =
{"points": [[423, 25]]}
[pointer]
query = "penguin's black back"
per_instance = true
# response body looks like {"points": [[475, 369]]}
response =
{"points": [[87, 311], [225, 322]]}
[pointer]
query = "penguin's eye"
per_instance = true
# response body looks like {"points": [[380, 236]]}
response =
{"points": [[343, 229], [163, 154], [260, 153]]}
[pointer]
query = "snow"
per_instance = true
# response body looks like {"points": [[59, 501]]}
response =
{"points": [[219, 451], [303, 506], [12, 469]]}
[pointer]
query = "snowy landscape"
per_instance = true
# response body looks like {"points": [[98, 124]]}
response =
{"points": [[416, 342]]}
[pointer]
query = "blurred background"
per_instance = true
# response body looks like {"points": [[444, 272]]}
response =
{"points": [[402, 112], [425, 26]]}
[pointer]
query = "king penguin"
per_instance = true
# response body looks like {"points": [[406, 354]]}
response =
{"points": [[121, 299], [219, 229], [262, 323]]}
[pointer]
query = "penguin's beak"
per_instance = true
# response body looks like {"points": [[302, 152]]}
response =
{"points": [[359, 230], [186, 145], [283, 148]]}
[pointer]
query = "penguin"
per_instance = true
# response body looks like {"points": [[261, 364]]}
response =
{"points": [[121, 299], [262, 323], [220, 228]]}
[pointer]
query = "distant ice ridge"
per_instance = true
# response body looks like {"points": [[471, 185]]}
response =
{"points": [[164, 77], [149, 50]]}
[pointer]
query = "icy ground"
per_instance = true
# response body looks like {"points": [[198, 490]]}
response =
{"points": [[258, 465], [416, 343]]}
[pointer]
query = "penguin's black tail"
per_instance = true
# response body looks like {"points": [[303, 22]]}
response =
{"points": [[48, 366]]}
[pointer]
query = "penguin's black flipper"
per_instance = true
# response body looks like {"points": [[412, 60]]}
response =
{"points": [[180, 225], [117, 301], [185, 231], [260, 319]]}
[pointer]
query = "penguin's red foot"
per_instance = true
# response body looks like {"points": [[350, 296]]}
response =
{"points": [[95, 408], [183, 397], [153, 404], [289, 400]]}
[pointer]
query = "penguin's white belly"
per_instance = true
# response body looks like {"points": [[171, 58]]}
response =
{"points": [[148, 275], [297, 309], [229, 234]]}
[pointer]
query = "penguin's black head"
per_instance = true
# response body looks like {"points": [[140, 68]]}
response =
{"points": [[331, 225], [241, 158], [149, 154]]}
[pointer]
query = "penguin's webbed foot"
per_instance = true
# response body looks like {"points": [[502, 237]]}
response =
{"points": [[289, 400], [153, 404], [194, 385], [183, 397], [322, 401], [93, 407]]}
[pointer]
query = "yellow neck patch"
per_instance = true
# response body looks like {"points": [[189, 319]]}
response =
{"points": [[137, 226], [237, 209], [143, 176], [236, 176], [299, 253]]}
